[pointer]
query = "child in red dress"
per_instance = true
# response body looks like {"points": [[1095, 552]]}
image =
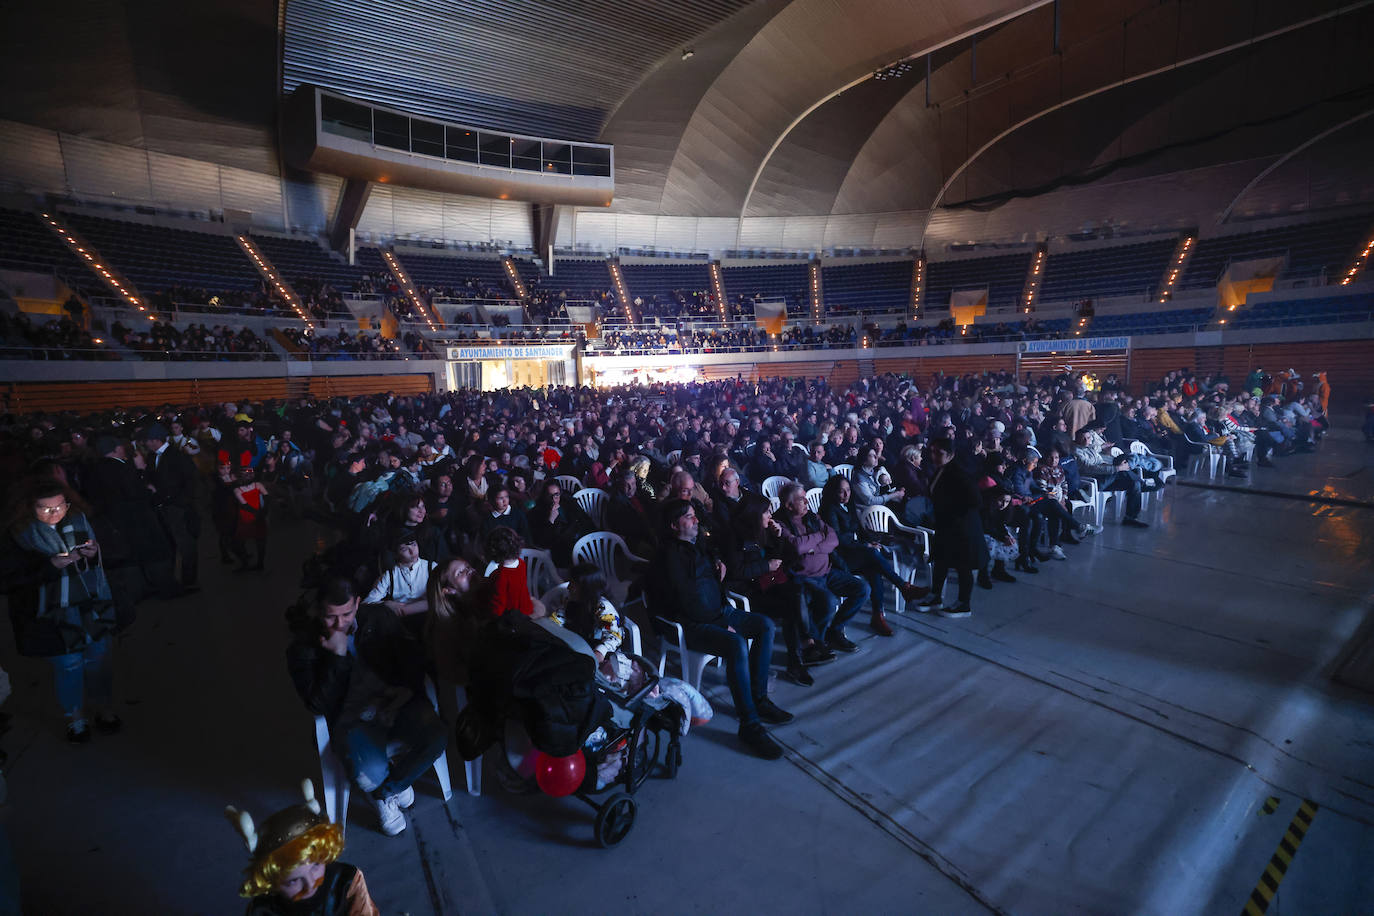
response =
{"points": [[507, 585]]}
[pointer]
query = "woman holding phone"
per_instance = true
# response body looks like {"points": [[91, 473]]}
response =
{"points": [[60, 604]]}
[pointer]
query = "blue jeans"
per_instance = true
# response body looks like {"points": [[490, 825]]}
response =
{"points": [[834, 598], [78, 675], [745, 668], [1128, 481], [362, 748], [872, 566]]}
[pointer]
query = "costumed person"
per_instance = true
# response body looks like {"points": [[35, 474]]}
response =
{"points": [[250, 497], [295, 869], [60, 602]]}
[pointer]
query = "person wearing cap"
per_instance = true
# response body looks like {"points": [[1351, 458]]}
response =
{"points": [[294, 869], [171, 475]]}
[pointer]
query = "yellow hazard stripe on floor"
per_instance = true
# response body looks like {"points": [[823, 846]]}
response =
{"points": [[1273, 873]]}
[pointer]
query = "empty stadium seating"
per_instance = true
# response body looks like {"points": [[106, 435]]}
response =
{"points": [[1003, 275], [770, 281], [1313, 250], [27, 244], [157, 258], [581, 278], [436, 271], [1327, 310], [302, 259], [658, 281], [879, 287], [1151, 322], [1099, 273]]}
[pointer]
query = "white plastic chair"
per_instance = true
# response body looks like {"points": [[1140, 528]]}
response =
{"points": [[773, 484], [693, 664], [813, 498], [568, 483], [1212, 454], [844, 470], [1097, 500], [884, 520], [338, 787], [1166, 470], [600, 548], [593, 502], [632, 635]]}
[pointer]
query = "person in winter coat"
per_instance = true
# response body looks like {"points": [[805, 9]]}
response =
{"points": [[60, 602]]}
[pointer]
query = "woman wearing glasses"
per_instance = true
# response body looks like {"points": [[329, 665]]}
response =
{"points": [[60, 604]]}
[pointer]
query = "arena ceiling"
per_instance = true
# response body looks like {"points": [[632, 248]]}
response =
{"points": [[774, 113]]}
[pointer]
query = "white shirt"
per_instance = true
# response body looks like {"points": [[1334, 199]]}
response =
{"points": [[402, 583]]}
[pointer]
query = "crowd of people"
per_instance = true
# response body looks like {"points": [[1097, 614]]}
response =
{"points": [[164, 341], [343, 345], [56, 338], [727, 490]]}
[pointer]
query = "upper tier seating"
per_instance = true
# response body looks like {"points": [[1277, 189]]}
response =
{"points": [[156, 258], [1150, 322], [1121, 270], [771, 281], [658, 282], [1003, 275], [580, 278], [1326, 310], [482, 278], [27, 244], [300, 259], [1315, 249], [880, 287]]}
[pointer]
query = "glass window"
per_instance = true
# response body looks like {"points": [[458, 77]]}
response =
{"points": [[558, 158], [392, 130], [460, 144], [525, 154], [345, 119], [591, 160], [426, 137], [495, 149]]}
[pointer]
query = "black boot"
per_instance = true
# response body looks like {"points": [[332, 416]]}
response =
{"points": [[983, 580], [1023, 564], [999, 572]]}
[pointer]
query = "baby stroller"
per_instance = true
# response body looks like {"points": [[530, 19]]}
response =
{"points": [[544, 678]]}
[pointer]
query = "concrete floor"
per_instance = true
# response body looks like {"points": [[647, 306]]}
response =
{"points": [[1100, 738]]}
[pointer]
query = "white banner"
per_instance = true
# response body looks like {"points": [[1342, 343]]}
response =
{"points": [[502, 352], [1074, 345]]}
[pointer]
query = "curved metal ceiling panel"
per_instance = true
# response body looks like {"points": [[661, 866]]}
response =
{"points": [[805, 53], [553, 69]]}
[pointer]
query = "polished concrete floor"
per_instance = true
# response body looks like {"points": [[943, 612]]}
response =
{"points": [[1100, 738]]}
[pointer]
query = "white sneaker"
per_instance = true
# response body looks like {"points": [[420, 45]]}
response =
{"points": [[406, 798], [1058, 552], [389, 814], [1091, 529]]}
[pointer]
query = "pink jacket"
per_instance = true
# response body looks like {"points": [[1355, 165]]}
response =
{"points": [[813, 546]]}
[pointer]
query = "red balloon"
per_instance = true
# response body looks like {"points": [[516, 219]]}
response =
{"points": [[559, 776]]}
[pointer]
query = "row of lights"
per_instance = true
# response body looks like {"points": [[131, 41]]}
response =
{"points": [[1359, 264], [271, 274], [516, 283], [1034, 283], [918, 279], [719, 285], [110, 279], [619, 280], [1177, 268], [815, 291], [400, 274]]}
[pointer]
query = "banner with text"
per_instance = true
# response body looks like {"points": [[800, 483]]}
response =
{"points": [[495, 351], [1074, 345]]}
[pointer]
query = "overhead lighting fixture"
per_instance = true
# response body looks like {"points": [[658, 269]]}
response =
{"points": [[688, 53]]}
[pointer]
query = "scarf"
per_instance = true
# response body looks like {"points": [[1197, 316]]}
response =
{"points": [[81, 598]]}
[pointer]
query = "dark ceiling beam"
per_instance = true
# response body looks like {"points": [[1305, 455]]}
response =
{"points": [[352, 201], [544, 229]]}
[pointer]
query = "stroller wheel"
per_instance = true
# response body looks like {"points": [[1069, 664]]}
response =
{"points": [[672, 759], [614, 820]]}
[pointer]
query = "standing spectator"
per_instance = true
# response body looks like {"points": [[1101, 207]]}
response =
{"points": [[60, 603], [958, 532], [250, 498], [172, 476]]}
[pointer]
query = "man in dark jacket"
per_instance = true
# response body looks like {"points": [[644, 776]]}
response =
{"points": [[356, 665], [172, 475], [958, 530], [685, 585]]}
